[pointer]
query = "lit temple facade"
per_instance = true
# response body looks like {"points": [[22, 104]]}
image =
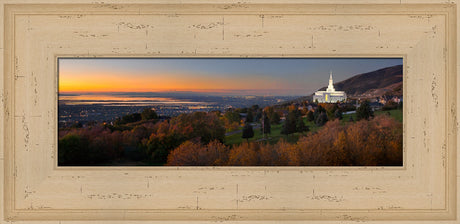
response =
{"points": [[330, 95]]}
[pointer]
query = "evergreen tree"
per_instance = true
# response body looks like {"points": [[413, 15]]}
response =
{"points": [[338, 114], [322, 119], [289, 126], [249, 116], [310, 116], [351, 119], [266, 127], [364, 111], [275, 118], [148, 114], [300, 125], [318, 111], [258, 115], [248, 132], [330, 111], [130, 118]]}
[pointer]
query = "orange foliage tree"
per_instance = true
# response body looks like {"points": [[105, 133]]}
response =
{"points": [[192, 153], [377, 142]]}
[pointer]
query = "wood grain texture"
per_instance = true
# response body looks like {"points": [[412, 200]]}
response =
{"points": [[35, 189]]}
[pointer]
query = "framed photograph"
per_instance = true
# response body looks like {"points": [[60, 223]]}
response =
{"points": [[233, 111], [209, 112]]}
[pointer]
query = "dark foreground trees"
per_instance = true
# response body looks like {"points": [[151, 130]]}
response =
{"points": [[97, 145], [197, 139], [149, 142]]}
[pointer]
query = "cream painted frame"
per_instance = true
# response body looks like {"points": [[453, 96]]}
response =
{"points": [[29, 98]]}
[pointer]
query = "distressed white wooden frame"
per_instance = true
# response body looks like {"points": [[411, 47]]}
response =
{"points": [[36, 35]]}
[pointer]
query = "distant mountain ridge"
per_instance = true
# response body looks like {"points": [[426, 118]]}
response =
{"points": [[385, 81]]}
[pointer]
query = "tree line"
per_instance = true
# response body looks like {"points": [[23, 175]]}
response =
{"points": [[373, 142], [196, 137], [148, 139]]}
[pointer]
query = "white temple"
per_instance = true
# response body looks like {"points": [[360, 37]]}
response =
{"points": [[330, 95]]}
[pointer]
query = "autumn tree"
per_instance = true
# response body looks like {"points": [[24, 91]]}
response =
{"points": [[313, 149], [279, 154], [232, 116], [140, 132], [245, 154], [202, 125], [231, 119], [167, 135], [164, 138], [339, 153], [196, 154], [196, 139]]}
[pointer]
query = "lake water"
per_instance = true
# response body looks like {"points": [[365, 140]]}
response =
{"points": [[120, 100], [85, 107]]}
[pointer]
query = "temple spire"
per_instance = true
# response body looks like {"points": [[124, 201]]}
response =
{"points": [[330, 87]]}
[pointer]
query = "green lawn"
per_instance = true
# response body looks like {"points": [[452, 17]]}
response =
{"points": [[271, 138], [396, 114], [276, 130]]}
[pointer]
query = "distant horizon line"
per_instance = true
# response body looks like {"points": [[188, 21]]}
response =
{"points": [[271, 92]]}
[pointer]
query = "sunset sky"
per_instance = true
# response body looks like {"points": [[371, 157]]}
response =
{"points": [[274, 76]]}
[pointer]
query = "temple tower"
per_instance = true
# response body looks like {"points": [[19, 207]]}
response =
{"points": [[330, 87]]}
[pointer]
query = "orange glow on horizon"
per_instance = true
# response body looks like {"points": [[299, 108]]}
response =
{"points": [[109, 82]]}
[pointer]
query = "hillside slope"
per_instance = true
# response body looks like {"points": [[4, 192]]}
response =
{"points": [[385, 81]]}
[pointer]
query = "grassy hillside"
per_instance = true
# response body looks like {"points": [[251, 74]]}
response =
{"points": [[276, 135]]}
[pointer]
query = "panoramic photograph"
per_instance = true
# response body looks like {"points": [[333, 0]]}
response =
{"points": [[230, 112]]}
